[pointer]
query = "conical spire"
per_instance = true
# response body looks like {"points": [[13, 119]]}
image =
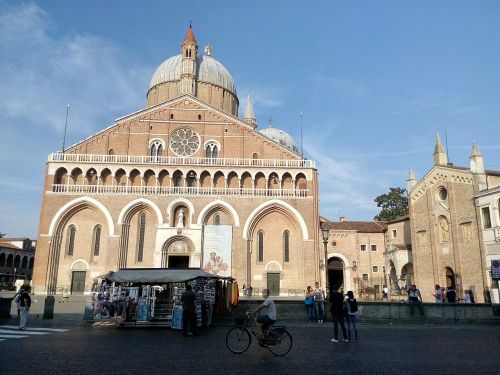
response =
{"points": [[249, 113], [189, 36], [411, 181], [476, 159], [475, 150], [440, 157]]}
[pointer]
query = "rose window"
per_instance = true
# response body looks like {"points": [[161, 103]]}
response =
{"points": [[184, 142]]}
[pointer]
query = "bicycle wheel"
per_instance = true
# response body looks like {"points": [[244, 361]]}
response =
{"points": [[283, 342], [238, 340]]}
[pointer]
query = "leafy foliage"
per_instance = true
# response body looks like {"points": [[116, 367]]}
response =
{"points": [[394, 204]]}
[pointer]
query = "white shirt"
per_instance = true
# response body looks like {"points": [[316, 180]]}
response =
{"points": [[270, 309], [319, 294]]}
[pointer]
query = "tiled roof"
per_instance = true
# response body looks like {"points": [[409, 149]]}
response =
{"points": [[8, 245], [359, 226], [399, 219], [190, 36]]}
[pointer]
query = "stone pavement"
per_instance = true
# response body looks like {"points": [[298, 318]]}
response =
{"points": [[382, 349]]}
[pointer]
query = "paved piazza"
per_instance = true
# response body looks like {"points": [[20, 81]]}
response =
{"points": [[383, 349]]}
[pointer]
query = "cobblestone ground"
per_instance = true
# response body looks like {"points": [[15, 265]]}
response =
{"points": [[382, 349]]}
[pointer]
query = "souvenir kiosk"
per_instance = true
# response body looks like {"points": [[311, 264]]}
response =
{"points": [[146, 297]]}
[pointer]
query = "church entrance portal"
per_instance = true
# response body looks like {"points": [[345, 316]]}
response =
{"points": [[335, 272], [273, 284], [78, 282], [178, 261]]}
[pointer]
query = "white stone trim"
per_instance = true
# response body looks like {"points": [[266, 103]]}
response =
{"points": [[177, 202], [79, 260], [289, 207], [75, 202], [209, 206], [139, 201]]}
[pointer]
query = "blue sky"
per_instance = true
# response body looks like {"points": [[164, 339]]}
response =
{"points": [[375, 80]]}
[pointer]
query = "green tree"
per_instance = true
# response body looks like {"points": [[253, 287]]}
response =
{"points": [[394, 204]]}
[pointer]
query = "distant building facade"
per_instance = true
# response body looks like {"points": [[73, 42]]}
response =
{"points": [[17, 257], [181, 183], [454, 218]]}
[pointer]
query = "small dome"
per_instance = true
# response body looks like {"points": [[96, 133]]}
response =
{"points": [[280, 137], [208, 70]]}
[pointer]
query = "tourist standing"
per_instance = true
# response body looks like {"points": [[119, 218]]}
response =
{"points": [[24, 307], [451, 295], [385, 294], [415, 299], [467, 297], [309, 301], [319, 299], [352, 312], [471, 295], [438, 294], [188, 299], [336, 300]]}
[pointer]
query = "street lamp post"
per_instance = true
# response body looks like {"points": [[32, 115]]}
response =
{"points": [[325, 231]]}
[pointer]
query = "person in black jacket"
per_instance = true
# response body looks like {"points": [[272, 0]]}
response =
{"points": [[336, 300]]}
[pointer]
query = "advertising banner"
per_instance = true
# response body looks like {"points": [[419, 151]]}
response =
{"points": [[217, 241]]}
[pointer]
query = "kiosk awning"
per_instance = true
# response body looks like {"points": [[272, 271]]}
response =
{"points": [[157, 275]]}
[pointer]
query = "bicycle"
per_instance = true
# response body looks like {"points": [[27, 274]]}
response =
{"points": [[238, 339]]}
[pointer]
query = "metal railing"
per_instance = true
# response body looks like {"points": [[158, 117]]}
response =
{"points": [[180, 160], [175, 190]]}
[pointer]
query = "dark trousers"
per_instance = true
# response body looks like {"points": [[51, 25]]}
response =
{"points": [[188, 321], [419, 306], [338, 319]]}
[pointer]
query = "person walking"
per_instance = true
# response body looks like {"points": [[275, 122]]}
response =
{"points": [[24, 307], [352, 312], [309, 301], [188, 299], [319, 299], [337, 309], [438, 294], [17, 300], [415, 299]]}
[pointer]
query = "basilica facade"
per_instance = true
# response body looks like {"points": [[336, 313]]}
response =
{"points": [[183, 182]]}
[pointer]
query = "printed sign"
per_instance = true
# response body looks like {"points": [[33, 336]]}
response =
{"points": [[217, 240], [495, 269]]}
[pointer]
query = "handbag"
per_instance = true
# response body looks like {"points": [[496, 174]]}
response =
{"points": [[309, 300]]}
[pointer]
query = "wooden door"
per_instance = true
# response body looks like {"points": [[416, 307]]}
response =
{"points": [[273, 284], [78, 282]]}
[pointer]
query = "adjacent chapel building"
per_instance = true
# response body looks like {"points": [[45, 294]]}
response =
{"points": [[183, 182]]}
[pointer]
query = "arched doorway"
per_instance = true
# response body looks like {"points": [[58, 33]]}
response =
{"points": [[450, 277], [335, 272], [176, 252]]}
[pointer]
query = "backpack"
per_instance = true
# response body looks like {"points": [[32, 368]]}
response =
{"points": [[353, 305], [309, 300]]}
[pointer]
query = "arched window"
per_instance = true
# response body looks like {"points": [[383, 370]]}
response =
{"points": [[212, 150], [32, 262], [2, 260], [217, 220], [96, 240], [24, 264], [10, 260], [286, 246], [156, 149], [17, 261], [140, 239], [261, 246], [71, 240]]}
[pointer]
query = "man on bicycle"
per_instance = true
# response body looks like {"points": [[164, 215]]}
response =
{"points": [[268, 316]]}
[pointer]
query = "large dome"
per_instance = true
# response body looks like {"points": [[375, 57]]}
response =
{"points": [[208, 70], [282, 138]]}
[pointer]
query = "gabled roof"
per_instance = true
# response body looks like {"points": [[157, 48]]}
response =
{"points": [[229, 117], [358, 226]]}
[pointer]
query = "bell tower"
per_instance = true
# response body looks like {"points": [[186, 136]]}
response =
{"points": [[189, 51]]}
